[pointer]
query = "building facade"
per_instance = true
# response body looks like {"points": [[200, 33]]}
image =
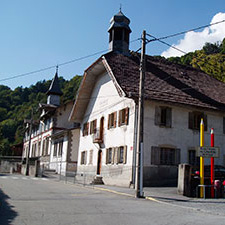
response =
{"points": [[175, 99]]}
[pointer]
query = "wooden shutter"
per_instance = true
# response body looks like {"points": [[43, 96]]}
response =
{"points": [[87, 128], [108, 121], [114, 119], [124, 154], [190, 120], [113, 154], [127, 116], [157, 115], [168, 117], [116, 155], [95, 126], [120, 117], [177, 156], [205, 122], [107, 156], [155, 155]]}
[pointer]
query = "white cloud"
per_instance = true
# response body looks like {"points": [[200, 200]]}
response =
{"points": [[196, 40]]}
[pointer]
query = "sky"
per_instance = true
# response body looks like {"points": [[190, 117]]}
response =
{"points": [[41, 34]]}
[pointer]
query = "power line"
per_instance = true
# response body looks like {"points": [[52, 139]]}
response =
{"points": [[198, 59], [187, 31], [51, 67], [60, 64]]}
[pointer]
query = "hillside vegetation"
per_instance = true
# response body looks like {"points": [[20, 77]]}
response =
{"points": [[15, 106], [210, 59]]}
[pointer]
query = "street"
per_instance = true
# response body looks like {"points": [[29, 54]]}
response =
{"points": [[35, 201]]}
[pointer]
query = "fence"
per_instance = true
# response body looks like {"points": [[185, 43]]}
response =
{"points": [[10, 164]]}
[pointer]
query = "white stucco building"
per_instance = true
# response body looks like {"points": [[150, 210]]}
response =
{"points": [[176, 98], [54, 140]]}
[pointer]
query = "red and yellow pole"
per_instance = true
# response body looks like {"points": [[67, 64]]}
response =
{"points": [[201, 158], [212, 164]]}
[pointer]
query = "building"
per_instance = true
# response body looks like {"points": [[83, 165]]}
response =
{"points": [[176, 98], [54, 140]]}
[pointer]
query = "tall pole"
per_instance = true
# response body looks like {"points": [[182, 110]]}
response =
{"points": [[29, 146], [201, 158], [212, 165], [140, 128]]}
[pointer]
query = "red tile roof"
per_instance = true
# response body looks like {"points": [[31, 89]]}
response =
{"points": [[168, 82]]}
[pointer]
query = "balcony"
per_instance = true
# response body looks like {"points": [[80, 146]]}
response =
{"points": [[98, 136]]}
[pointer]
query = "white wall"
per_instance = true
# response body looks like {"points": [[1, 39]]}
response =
{"points": [[179, 135], [103, 101]]}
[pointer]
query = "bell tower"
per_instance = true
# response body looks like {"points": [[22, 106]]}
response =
{"points": [[119, 34]]}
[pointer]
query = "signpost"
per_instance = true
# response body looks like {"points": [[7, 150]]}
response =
{"points": [[201, 158], [208, 152]]}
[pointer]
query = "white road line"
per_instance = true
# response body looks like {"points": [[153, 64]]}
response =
{"points": [[4, 177], [15, 178], [24, 178]]}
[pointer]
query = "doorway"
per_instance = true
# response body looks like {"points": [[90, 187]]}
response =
{"points": [[99, 165]]}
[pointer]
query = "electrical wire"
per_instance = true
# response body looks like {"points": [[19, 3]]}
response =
{"points": [[60, 64]]}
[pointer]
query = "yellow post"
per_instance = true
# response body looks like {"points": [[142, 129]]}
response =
{"points": [[201, 158]]}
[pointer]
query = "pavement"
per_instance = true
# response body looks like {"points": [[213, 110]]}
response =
{"points": [[161, 195], [167, 196]]}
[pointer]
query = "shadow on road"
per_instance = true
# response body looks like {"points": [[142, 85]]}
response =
{"points": [[7, 214]]}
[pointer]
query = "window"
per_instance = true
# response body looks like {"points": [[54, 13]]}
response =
{"points": [[122, 154], [192, 159], [163, 116], [91, 157], [83, 158], [39, 148], [60, 148], [55, 149], [43, 147], [112, 120], [109, 156], [124, 117], [85, 129], [165, 156], [93, 126], [194, 120]]}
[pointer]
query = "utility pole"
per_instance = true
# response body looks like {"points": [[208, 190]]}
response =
{"points": [[29, 146], [140, 127]]}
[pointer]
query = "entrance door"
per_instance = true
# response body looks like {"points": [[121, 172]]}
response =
{"points": [[99, 162]]}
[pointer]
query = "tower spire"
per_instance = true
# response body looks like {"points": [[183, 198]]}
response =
{"points": [[54, 92]]}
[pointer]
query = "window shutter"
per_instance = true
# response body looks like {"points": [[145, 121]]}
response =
{"points": [[115, 119], [108, 121], [113, 154], [191, 120], [224, 125], [205, 122], [177, 156], [127, 116], [107, 156], [155, 155], [157, 115], [116, 155], [120, 118], [124, 154], [87, 128], [95, 126], [168, 117]]}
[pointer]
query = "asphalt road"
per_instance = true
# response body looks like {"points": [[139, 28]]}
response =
{"points": [[34, 201]]}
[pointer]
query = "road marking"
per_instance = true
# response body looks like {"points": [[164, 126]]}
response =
{"points": [[15, 178], [24, 178], [5, 177], [112, 191]]}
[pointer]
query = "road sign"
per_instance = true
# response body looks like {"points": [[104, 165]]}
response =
{"points": [[208, 152]]}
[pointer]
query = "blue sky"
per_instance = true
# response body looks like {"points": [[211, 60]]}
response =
{"points": [[44, 33]]}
